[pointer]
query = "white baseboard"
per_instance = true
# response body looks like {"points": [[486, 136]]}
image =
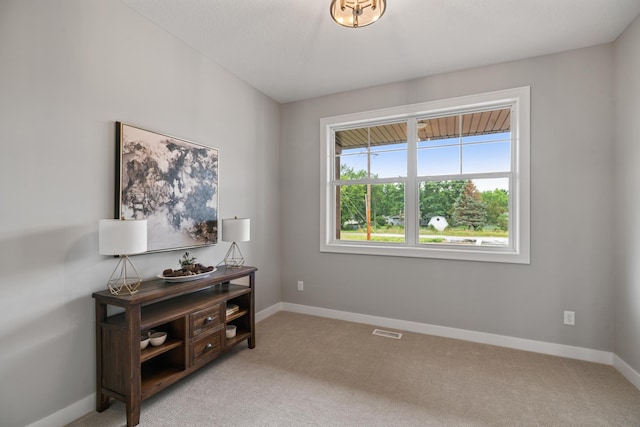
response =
{"points": [[269, 311], [68, 414], [561, 350], [86, 405], [627, 371]]}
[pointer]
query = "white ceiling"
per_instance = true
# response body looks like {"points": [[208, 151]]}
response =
{"points": [[292, 50]]}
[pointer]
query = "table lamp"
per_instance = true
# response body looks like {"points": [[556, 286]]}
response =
{"points": [[235, 230], [123, 237]]}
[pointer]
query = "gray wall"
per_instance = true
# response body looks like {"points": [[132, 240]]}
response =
{"points": [[627, 156], [64, 81], [571, 199], [68, 70]]}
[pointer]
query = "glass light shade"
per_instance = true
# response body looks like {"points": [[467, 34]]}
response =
{"points": [[357, 13], [236, 230], [122, 237]]}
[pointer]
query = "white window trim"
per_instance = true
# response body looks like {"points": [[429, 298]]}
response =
{"points": [[519, 232]]}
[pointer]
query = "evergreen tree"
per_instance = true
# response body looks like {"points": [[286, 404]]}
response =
{"points": [[470, 211]]}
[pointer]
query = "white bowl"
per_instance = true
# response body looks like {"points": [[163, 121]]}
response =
{"points": [[144, 342], [231, 331], [158, 338]]}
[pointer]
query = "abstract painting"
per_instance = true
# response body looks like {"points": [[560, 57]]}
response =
{"points": [[172, 183]]}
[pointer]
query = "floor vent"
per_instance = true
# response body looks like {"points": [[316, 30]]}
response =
{"points": [[387, 334]]}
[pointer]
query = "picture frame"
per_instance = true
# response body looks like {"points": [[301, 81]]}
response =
{"points": [[170, 182]]}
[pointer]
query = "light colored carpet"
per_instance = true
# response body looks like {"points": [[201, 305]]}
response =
{"points": [[313, 371]]}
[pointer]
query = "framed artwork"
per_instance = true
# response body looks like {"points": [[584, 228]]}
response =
{"points": [[172, 183]]}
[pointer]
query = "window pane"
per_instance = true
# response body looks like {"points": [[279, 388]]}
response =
{"points": [[483, 137], [351, 167], [434, 131], [486, 157], [439, 161], [352, 138], [391, 133], [389, 164], [380, 151], [486, 122], [465, 212], [371, 212]]}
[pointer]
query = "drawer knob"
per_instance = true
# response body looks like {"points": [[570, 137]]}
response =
{"points": [[207, 348], [207, 320]]}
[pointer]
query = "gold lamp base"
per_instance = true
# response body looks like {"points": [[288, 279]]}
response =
{"points": [[233, 258], [120, 281]]}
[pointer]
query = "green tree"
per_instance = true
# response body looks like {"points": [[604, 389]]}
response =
{"points": [[469, 210], [388, 199], [437, 198], [347, 173], [503, 221], [352, 197], [497, 202]]}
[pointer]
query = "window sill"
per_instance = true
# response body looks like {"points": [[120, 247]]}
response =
{"points": [[501, 255]]}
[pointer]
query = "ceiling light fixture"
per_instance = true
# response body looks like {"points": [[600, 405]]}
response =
{"points": [[357, 13]]}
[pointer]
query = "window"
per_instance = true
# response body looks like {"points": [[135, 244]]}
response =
{"points": [[444, 179]]}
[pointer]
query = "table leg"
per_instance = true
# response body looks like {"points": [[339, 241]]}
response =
{"points": [[102, 400], [252, 311], [132, 370]]}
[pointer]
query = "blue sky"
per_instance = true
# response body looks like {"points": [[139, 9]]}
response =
{"points": [[480, 153]]}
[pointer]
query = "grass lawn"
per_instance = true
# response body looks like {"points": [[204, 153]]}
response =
{"points": [[427, 235]]}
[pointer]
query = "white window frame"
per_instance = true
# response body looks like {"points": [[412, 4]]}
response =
{"points": [[518, 250]]}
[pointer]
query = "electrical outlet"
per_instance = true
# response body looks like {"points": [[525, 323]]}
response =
{"points": [[570, 318], [300, 285]]}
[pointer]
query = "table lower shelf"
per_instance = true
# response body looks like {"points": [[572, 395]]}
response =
{"points": [[240, 336], [157, 376], [158, 379]]}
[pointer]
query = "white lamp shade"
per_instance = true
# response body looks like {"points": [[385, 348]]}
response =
{"points": [[236, 230], [122, 237]]}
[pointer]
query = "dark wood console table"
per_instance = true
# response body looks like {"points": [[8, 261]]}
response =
{"points": [[194, 316]]}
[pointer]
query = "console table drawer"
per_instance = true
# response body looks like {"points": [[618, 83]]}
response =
{"points": [[206, 348], [205, 319]]}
